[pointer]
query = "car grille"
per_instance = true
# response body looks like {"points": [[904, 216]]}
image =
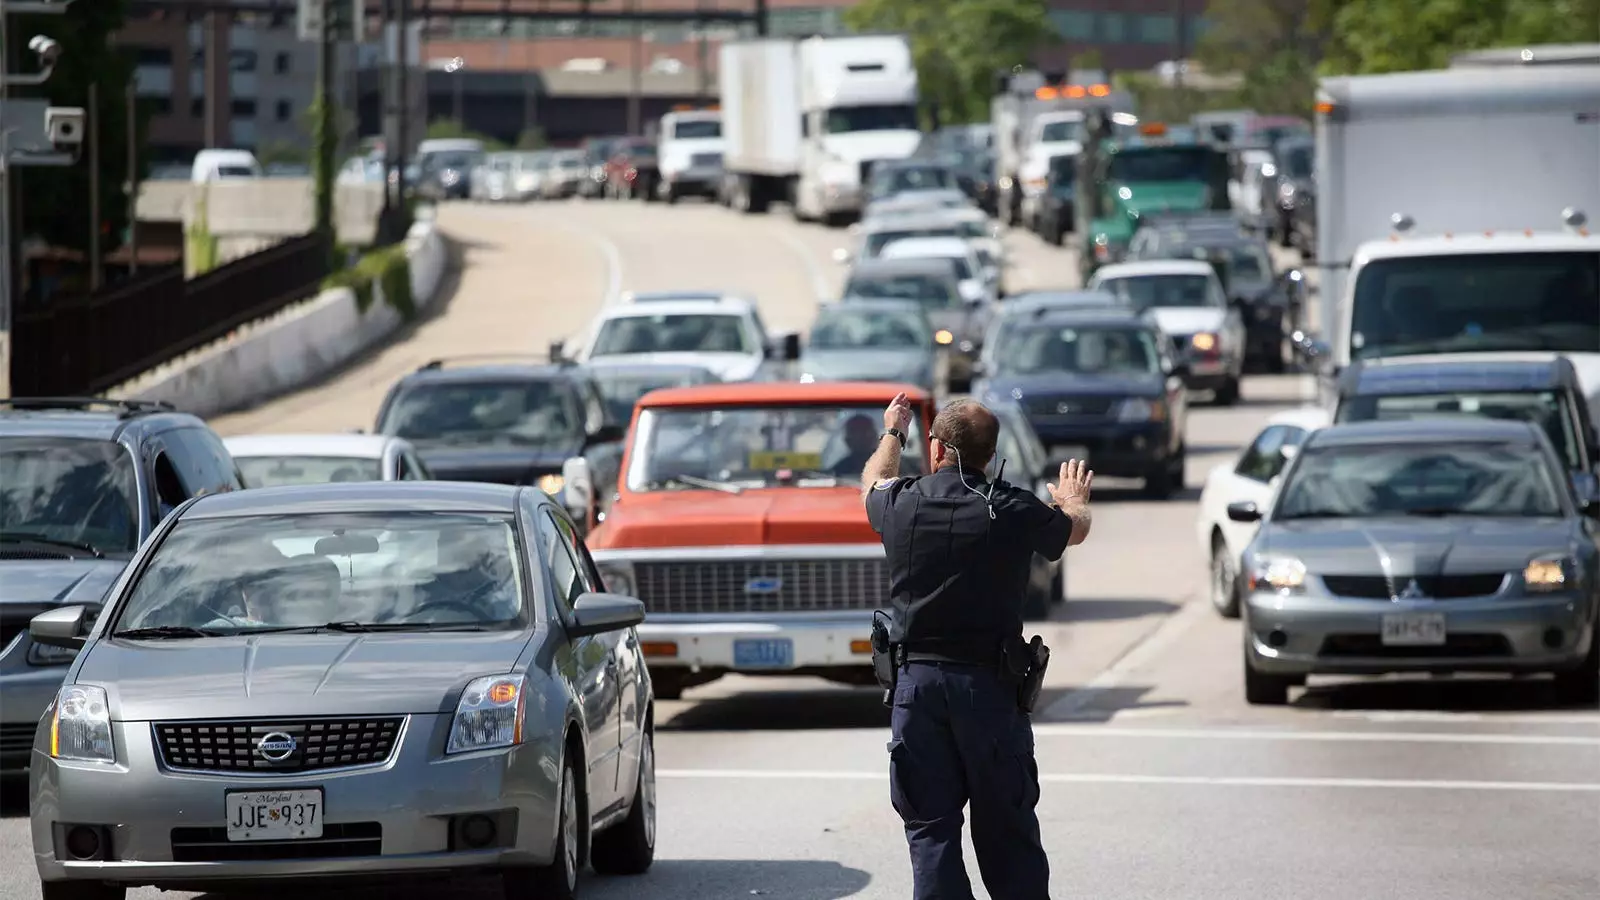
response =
{"points": [[16, 738], [342, 839], [1077, 407], [230, 746], [1434, 587], [763, 586], [705, 160]]}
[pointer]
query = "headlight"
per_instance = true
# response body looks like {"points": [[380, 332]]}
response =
{"points": [[1286, 575], [1138, 409], [80, 727], [943, 336], [551, 484], [489, 714], [618, 577], [1204, 341], [1549, 573]]}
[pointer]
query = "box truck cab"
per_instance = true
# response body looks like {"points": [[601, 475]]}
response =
{"points": [[689, 154], [1453, 216]]}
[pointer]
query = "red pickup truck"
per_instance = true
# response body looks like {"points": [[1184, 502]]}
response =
{"points": [[738, 521]]}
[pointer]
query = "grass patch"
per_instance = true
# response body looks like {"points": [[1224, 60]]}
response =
{"points": [[388, 269]]}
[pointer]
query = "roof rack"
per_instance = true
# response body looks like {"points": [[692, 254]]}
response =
{"points": [[126, 409], [555, 357]]}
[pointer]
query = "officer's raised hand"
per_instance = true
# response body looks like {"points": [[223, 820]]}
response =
{"points": [[1071, 495], [897, 417]]}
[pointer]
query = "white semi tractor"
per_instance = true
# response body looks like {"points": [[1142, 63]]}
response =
{"points": [[1454, 214], [805, 120]]}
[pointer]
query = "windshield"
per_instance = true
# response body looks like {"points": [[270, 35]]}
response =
{"points": [[622, 390], [73, 490], [271, 471], [878, 240], [412, 570], [730, 449], [236, 172], [1545, 409], [1477, 479], [1244, 264], [698, 128], [1071, 130], [931, 291], [963, 269], [887, 182], [520, 413], [694, 333], [1297, 161], [842, 328], [440, 161], [569, 162], [885, 117], [1164, 164], [1163, 291], [1477, 302], [1087, 350]]}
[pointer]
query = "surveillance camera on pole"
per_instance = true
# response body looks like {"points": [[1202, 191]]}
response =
{"points": [[48, 52]]}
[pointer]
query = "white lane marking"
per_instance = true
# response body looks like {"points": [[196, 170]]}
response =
{"points": [[1462, 717], [1375, 737], [1141, 653], [613, 255], [1192, 780], [819, 282]]}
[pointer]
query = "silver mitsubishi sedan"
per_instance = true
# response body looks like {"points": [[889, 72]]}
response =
{"points": [[364, 680]]}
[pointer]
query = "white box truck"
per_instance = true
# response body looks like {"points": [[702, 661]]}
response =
{"points": [[1452, 215], [805, 120], [1036, 117]]}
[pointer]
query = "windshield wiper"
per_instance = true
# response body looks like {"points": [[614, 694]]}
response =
{"points": [[1316, 514], [170, 631], [28, 537], [708, 484], [358, 627]]}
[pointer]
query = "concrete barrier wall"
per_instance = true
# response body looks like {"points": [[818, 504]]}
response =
{"points": [[262, 208], [300, 345]]}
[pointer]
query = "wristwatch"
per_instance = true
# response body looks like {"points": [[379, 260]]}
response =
{"points": [[895, 433]]}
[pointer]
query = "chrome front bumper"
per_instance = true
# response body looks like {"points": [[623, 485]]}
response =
{"points": [[749, 644]]}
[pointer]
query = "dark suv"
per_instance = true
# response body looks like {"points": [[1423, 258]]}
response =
{"points": [[82, 483]]}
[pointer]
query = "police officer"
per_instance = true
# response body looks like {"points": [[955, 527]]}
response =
{"points": [[959, 549]]}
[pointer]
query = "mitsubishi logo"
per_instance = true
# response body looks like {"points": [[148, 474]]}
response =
{"points": [[1065, 409], [1413, 591]]}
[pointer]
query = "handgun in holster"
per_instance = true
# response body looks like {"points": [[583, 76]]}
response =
{"points": [[1025, 665], [885, 665]]}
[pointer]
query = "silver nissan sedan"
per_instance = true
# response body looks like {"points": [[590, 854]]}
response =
{"points": [[366, 680]]}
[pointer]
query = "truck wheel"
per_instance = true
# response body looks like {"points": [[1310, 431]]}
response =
{"points": [[1228, 393], [1158, 483], [666, 686], [669, 194]]}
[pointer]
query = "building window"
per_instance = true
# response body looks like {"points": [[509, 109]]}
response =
{"points": [[242, 61], [152, 56], [280, 64], [1198, 26], [155, 106], [1113, 28], [1157, 29], [197, 107], [285, 110], [803, 22], [243, 108], [1073, 25]]}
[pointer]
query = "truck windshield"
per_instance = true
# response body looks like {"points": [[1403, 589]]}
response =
{"points": [[1297, 161], [1545, 409], [1053, 132], [819, 445], [697, 129], [61, 492], [1165, 164], [1478, 302], [881, 117]]}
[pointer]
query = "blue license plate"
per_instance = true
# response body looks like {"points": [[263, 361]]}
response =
{"points": [[765, 654]]}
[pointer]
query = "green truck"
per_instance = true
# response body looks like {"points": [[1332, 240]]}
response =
{"points": [[1128, 171]]}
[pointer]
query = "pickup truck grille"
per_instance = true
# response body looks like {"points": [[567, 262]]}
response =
{"points": [[706, 160], [763, 586]]}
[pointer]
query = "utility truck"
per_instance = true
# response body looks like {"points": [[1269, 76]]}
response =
{"points": [[1453, 216], [1037, 116], [805, 120]]}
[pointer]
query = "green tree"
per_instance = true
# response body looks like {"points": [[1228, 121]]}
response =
{"points": [[1403, 35], [55, 201], [959, 45], [1274, 45], [448, 129]]}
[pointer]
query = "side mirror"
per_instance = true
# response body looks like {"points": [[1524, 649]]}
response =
{"points": [[577, 488], [841, 256], [609, 433], [1244, 511], [600, 613], [64, 627]]}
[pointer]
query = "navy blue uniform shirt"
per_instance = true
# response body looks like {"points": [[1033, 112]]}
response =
{"points": [[954, 573]]}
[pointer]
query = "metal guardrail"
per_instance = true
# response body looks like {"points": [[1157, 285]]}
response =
{"points": [[84, 345]]}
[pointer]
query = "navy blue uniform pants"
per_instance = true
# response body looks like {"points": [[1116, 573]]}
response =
{"points": [[959, 738]]}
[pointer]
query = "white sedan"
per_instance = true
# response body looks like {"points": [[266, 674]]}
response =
{"points": [[1253, 477], [269, 460], [978, 281]]}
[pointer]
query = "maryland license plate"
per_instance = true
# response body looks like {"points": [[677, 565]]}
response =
{"points": [[1414, 630], [274, 815], [776, 653]]}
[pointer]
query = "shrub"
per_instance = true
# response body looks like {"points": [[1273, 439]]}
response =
{"points": [[386, 267]]}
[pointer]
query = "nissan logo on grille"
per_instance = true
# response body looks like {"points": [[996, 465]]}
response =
{"points": [[276, 746]]}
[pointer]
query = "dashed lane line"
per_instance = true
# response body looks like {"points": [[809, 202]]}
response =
{"points": [[1170, 780], [1256, 734]]}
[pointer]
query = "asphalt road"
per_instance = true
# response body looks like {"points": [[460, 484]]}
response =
{"points": [[1159, 781]]}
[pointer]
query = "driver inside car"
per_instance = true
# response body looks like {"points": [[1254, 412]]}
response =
{"points": [[299, 592], [472, 580]]}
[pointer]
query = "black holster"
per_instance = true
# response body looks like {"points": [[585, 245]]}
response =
{"points": [[885, 657], [1024, 663]]}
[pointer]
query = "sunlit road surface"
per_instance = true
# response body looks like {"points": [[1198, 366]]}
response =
{"points": [[1159, 781]]}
